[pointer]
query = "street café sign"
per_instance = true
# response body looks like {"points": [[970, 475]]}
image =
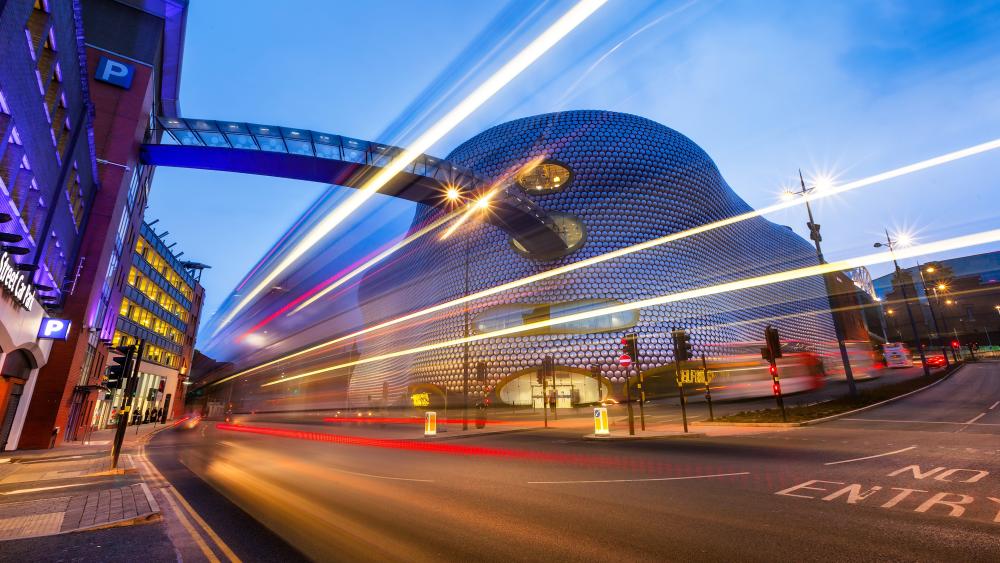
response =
{"points": [[14, 284]]}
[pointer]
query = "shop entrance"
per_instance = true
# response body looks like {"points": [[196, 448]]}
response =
{"points": [[573, 387]]}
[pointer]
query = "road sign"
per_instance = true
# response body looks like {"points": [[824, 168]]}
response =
{"points": [[695, 376], [601, 422], [625, 360]]}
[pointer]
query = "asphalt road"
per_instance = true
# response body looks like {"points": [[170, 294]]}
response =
{"points": [[916, 480]]}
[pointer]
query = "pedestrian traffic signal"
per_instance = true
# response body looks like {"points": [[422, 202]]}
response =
{"points": [[955, 344], [773, 370], [682, 345], [776, 388]]}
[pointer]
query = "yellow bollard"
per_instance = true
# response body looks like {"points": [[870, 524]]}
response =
{"points": [[601, 422], [430, 424]]}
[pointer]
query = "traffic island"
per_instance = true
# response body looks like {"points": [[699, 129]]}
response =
{"points": [[649, 435], [825, 411]]}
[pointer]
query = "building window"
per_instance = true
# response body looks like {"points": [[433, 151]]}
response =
{"points": [[569, 228], [514, 315], [545, 178]]}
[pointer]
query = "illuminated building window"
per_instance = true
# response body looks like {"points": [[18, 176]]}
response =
{"points": [[569, 228], [544, 178], [520, 314]]}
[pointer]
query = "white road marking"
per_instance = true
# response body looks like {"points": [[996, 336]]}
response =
{"points": [[977, 417], [383, 476], [638, 480], [994, 405], [871, 456], [36, 489], [917, 421]]}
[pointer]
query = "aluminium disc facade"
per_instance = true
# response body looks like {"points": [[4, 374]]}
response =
{"points": [[629, 180]]}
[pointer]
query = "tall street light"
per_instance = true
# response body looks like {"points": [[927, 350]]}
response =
{"points": [[923, 282], [481, 205], [889, 243], [838, 329]]}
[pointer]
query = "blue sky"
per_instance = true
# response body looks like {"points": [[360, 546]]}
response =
{"points": [[852, 88]]}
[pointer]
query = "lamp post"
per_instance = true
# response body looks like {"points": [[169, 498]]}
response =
{"points": [[480, 205], [889, 243], [881, 314], [923, 282], [838, 329]]}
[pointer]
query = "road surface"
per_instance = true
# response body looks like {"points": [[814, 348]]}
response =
{"points": [[915, 480]]}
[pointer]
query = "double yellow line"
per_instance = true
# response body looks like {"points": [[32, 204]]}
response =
{"points": [[185, 513]]}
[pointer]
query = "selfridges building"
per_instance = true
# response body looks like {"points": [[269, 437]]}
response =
{"points": [[608, 180]]}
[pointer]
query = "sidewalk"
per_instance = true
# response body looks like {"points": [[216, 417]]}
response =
{"points": [[72, 488]]}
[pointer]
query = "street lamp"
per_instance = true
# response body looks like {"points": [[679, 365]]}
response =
{"points": [[934, 288], [819, 184], [481, 205], [889, 243]]}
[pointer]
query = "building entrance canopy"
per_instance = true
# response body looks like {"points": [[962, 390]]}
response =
{"points": [[270, 150]]}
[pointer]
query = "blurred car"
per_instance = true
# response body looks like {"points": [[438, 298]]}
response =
{"points": [[897, 355], [937, 361], [742, 372]]}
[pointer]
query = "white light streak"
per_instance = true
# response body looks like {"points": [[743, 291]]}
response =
{"points": [[549, 38], [815, 195], [840, 265]]}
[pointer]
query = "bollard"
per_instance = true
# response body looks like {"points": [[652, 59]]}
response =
{"points": [[430, 423], [601, 422]]}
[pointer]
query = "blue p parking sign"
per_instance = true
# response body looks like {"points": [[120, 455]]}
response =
{"points": [[115, 72], [54, 329]]}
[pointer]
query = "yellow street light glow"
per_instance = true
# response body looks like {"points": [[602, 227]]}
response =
{"points": [[985, 237], [903, 240], [823, 183], [857, 184], [787, 195], [930, 269], [508, 72], [453, 194], [480, 204], [942, 286]]}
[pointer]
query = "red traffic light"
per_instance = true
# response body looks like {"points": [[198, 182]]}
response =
{"points": [[776, 388], [954, 344], [774, 370]]}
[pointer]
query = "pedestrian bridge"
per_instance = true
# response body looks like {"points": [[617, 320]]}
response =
{"points": [[300, 154]]}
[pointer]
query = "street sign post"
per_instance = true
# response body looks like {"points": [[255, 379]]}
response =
{"points": [[708, 387]]}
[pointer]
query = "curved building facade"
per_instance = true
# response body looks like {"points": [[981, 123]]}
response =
{"points": [[610, 180]]}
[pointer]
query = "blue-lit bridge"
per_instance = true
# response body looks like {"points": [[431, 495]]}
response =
{"points": [[300, 154]]}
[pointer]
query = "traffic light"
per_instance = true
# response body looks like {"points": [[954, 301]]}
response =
{"points": [[630, 346], [481, 372], [776, 388], [772, 350], [682, 345], [955, 344], [118, 372]]}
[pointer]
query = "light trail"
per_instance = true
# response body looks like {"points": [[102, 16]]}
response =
{"points": [[788, 275], [508, 72], [815, 195], [372, 262]]}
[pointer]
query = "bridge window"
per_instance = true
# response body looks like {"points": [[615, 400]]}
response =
{"points": [[569, 228], [545, 178], [272, 144], [242, 141], [299, 147]]}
